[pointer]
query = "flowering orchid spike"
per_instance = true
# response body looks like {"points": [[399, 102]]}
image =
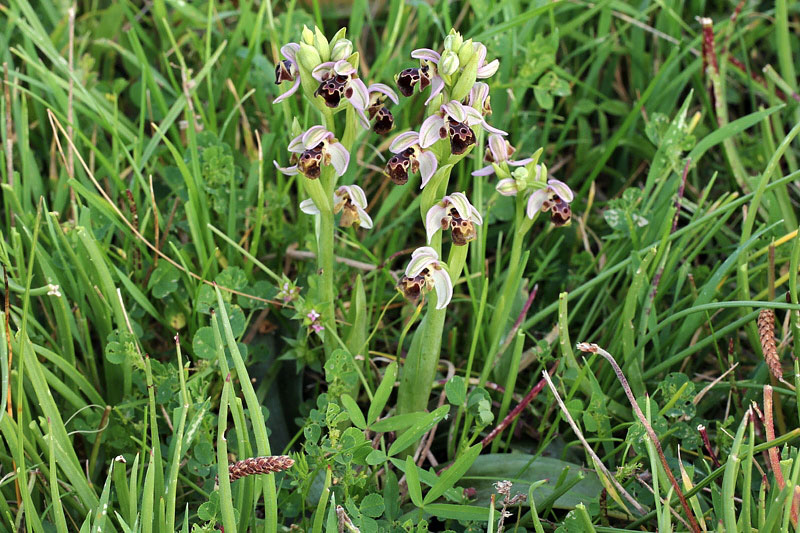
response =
{"points": [[454, 212], [424, 273], [554, 198], [499, 151], [410, 156], [317, 147], [352, 202], [287, 70]]}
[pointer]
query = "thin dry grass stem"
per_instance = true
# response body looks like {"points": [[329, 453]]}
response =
{"points": [[774, 456], [598, 463], [766, 334], [56, 126], [344, 522], [70, 101], [269, 464], [513, 332], [7, 309], [514, 413], [250, 146], [593, 348], [711, 385]]}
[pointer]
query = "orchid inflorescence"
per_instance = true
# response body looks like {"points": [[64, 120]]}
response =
{"points": [[457, 107]]}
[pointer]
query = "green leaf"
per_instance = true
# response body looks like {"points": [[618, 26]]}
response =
{"points": [[382, 394], [120, 347], [395, 423], [412, 480], [203, 343], [163, 280], [454, 473], [356, 417], [376, 457], [417, 430], [372, 505], [449, 511], [456, 391]]}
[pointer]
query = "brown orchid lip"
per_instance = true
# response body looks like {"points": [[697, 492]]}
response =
{"points": [[310, 161], [284, 71], [397, 168], [461, 137], [384, 121], [332, 90], [407, 79], [560, 213]]}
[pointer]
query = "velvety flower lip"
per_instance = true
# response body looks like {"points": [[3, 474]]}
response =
{"points": [[454, 119], [410, 156], [408, 78], [338, 79], [350, 200], [430, 58], [425, 272], [317, 147], [384, 120], [554, 198], [287, 70], [454, 212], [499, 150]]}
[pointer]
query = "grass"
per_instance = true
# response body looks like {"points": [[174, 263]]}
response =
{"points": [[162, 285]]}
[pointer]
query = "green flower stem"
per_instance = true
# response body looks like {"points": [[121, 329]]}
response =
{"points": [[420, 366], [500, 318], [325, 256]]}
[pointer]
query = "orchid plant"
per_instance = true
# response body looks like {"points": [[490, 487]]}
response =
{"points": [[457, 108]]}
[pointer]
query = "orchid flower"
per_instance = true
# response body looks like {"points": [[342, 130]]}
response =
{"points": [[427, 73], [287, 70], [555, 198], [378, 92], [350, 200], [479, 98], [454, 119], [316, 147], [410, 156], [485, 70], [499, 151], [425, 272], [456, 213], [339, 79]]}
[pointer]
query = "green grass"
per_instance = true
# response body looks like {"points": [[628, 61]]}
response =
{"points": [[157, 322]]}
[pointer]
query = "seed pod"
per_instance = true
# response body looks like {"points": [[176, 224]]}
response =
{"points": [[766, 332], [259, 465]]}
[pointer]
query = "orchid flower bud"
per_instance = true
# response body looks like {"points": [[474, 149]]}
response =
{"points": [[308, 56], [307, 36], [448, 64], [321, 44], [466, 51], [453, 41], [341, 50]]}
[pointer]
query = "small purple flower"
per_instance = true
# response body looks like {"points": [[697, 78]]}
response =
{"points": [[287, 70], [316, 147], [339, 79], [499, 151], [317, 328], [410, 156], [454, 119], [554, 198], [313, 316], [384, 120]]}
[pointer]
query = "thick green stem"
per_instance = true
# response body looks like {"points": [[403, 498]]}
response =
{"points": [[420, 366]]}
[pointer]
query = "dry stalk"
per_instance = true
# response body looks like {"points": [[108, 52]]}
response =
{"points": [[593, 348], [766, 333], [598, 463], [774, 456]]}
